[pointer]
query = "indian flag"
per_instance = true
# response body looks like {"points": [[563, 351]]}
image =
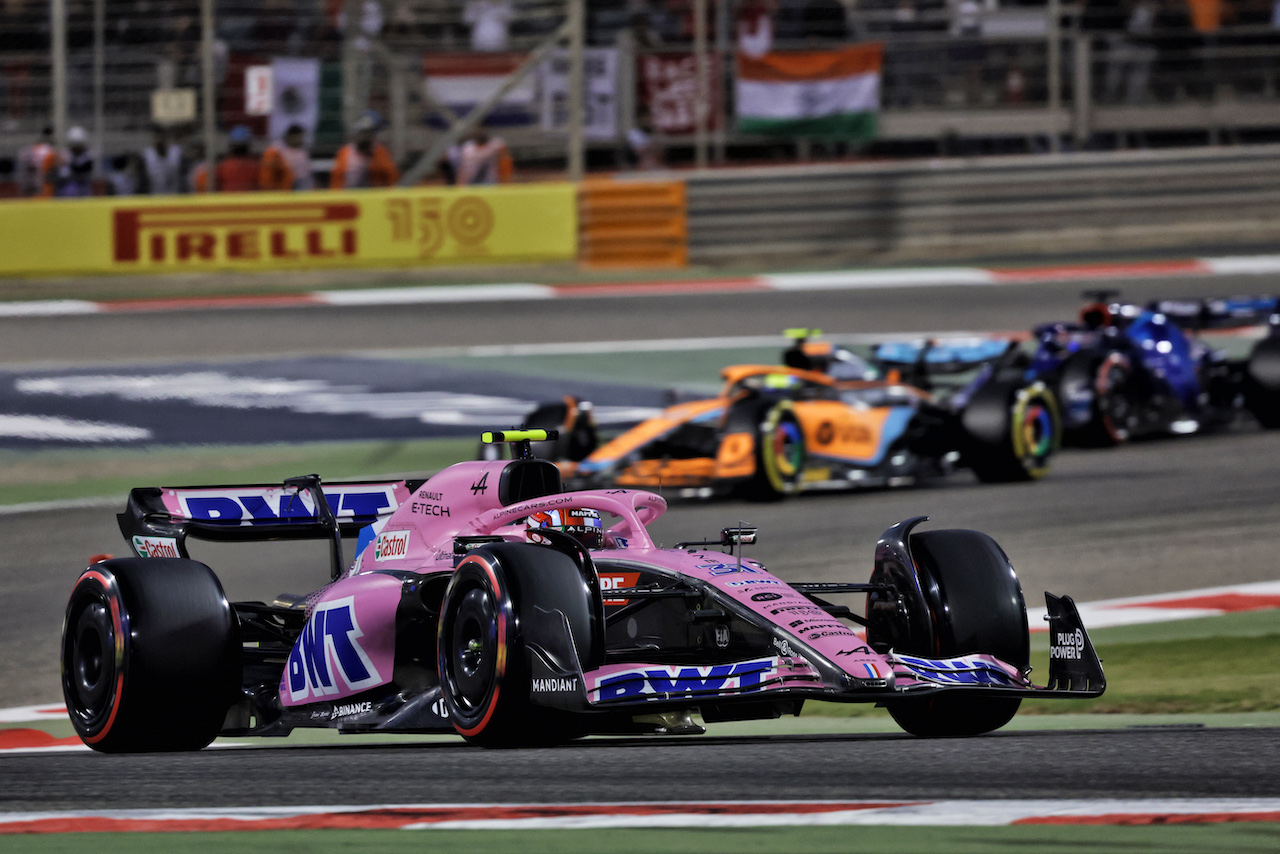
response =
{"points": [[830, 93]]}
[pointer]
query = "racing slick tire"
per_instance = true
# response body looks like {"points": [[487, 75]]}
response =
{"points": [[780, 454], [497, 600], [1108, 381], [975, 604], [150, 655], [1262, 382], [1011, 431]]}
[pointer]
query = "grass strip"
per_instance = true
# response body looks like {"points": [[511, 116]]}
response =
{"points": [[1178, 667], [58, 475], [1240, 838]]}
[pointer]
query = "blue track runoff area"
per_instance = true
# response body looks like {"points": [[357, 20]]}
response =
{"points": [[285, 400]]}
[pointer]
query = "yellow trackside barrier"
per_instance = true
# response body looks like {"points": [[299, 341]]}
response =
{"points": [[264, 231], [633, 223]]}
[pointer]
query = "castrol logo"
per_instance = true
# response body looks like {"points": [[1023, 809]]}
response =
{"points": [[392, 545]]}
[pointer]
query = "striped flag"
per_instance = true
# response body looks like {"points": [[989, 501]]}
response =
{"points": [[823, 93], [463, 81]]}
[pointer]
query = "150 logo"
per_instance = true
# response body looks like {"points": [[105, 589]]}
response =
{"points": [[469, 221]]}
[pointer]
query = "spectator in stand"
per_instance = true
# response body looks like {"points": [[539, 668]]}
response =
{"points": [[813, 20], [197, 177], [1179, 67], [1132, 56], [364, 162], [238, 171], [31, 163], [490, 21], [483, 160], [642, 149], [286, 164], [125, 175], [755, 27], [162, 164], [69, 174]]}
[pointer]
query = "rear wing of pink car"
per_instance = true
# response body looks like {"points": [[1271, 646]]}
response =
{"points": [[158, 520]]}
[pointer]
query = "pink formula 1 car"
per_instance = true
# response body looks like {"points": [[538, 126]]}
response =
{"points": [[487, 601]]}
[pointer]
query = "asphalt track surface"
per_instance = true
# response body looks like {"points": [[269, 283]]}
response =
{"points": [[1152, 517], [1102, 764], [184, 336]]}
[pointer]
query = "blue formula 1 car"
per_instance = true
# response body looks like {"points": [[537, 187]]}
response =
{"points": [[1125, 370]]}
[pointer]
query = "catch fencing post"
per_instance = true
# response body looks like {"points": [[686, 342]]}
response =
{"points": [[208, 97], [577, 39], [99, 77], [700, 106], [58, 61], [1055, 73]]}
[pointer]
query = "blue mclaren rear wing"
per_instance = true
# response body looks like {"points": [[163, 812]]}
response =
{"points": [[157, 520], [943, 357]]}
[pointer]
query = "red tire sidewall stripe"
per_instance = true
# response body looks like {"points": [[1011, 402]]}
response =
{"points": [[108, 585], [500, 664]]}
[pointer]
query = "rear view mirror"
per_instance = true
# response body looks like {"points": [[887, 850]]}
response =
{"points": [[738, 536]]}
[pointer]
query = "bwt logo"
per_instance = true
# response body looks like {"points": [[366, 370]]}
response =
{"points": [[743, 676], [280, 504], [235, 232], [327, 657]]}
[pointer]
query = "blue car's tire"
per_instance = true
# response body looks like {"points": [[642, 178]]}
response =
{"points": [[1262, 382], [489, 615], [150, 655], [1108, 380], [975, 605]]}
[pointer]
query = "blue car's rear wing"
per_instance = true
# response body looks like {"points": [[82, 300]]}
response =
{"points": [[1219, 312]]}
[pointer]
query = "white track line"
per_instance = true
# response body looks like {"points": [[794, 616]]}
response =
{"points": [[942, 813], [436, 293], [909, 277]]}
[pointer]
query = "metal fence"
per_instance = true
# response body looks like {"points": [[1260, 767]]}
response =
{"points": [[1036, 76]]}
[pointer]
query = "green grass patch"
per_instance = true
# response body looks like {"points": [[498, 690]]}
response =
{"points": [[1241, 838], [56, 475], [693, 370]]}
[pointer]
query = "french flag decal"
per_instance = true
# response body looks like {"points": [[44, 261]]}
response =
{"points": [[872, 672]]}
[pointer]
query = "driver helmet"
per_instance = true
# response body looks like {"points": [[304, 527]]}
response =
{"points": [[578, 522]]}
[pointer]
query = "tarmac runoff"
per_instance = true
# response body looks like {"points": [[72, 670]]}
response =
{"points": [[807, 281], [723, 814]]}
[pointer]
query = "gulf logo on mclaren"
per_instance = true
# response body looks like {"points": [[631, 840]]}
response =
{"points": [[662, 679], [327, 658]]}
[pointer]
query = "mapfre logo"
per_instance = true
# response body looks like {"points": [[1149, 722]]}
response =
{"points": [[391, 546], [243, 231]]}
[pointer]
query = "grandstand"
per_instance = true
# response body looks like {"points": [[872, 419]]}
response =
{"points": [[965, 76]]}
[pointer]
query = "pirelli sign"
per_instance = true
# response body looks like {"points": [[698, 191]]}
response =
{"points": [[235, 232], [426, 226]]}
